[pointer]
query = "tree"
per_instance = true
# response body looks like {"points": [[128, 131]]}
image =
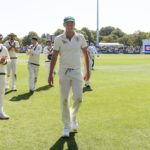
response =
{"points": [[27, 39], [126, 40], [118, 32], [43, 36], [109, 38], [89, 35], [58, 32], [105, 31]]}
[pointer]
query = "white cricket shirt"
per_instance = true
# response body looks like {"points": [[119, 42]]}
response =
{"points": [[70, 51], [3, 52], [12, 52], [34, 54]]}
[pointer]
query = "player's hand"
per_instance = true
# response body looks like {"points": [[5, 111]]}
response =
{"points": [[50, 81], [86, 76], [3, 59], [14, 46]]}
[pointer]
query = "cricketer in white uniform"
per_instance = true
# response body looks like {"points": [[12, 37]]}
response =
{"points": [[4, 58], [69, 45], [13, 48], [34, 52], [48, 51], [93, 48]]}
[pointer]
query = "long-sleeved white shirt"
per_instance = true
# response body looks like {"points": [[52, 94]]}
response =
{"points": [[34, 54], [12, 51], [3, 52], [47, 51]]}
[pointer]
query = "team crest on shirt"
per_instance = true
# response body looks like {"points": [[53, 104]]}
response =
{"points": [[64, 41]]}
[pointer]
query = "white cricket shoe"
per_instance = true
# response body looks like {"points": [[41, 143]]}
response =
{"points": [[75, 126], [65, 133], [32, 90], [7, 88], [4, 116], [14, 89]]}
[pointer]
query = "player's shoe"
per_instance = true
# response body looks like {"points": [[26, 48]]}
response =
{"points": [[32, 90], [65, 133], [87, 86], [3, 116], [7, 88], [14, 89]]}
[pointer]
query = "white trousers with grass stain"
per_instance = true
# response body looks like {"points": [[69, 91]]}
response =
{"points": [[70, 79]]}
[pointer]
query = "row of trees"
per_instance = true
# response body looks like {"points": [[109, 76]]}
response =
{"points": [[111, 34], [107, 34]]}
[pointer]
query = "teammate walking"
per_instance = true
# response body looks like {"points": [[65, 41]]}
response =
{"points": [[48, 51], [34, 52]]}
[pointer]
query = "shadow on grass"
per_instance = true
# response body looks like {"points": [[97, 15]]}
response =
{"points": [[24, 96], [71, 143], [43, 88], [7, 92], [87, 89]]}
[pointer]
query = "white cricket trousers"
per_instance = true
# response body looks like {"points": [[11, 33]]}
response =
{"points": [[70, 79], [11, 67], [2, 91], [33, 74]]}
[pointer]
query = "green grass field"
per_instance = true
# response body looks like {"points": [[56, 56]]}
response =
{"points": [[114, 116]]}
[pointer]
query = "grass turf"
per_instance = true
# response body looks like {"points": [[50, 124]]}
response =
{"points": [[114, 116]]}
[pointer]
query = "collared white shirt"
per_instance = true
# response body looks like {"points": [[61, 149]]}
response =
{"points": [[8, 44], [70, 51], [3, 52], [47, 51], [34, 53]]}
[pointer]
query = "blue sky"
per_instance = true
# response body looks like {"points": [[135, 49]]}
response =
{"points": [[45, 16]]}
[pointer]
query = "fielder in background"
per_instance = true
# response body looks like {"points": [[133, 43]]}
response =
{"points": [[90, 56], [69, 46], [4, 58], [13, 48], [33, 51], [94, 51], [48, 51]]}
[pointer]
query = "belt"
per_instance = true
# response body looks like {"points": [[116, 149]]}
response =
{"points": [[13, 57], [68, 70], [34, 64], [2, 73]]}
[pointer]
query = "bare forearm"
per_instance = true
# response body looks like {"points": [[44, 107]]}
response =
{"points": [[86, 60], [53, 62]]}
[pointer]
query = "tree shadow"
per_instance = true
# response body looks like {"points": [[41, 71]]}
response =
{"points": [[24, 96], [43, 88], [71, 143], [87, 89]]}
